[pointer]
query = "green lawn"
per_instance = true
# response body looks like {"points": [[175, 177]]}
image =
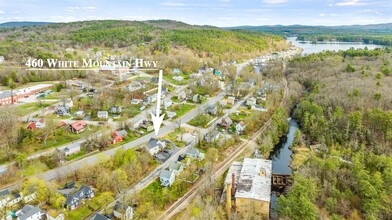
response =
{"points": [[25, 109], [169, 77], [80, 213], [53, 95], [173, 137], [181, 109], [240, 117], [201, 120], [79, 154]]}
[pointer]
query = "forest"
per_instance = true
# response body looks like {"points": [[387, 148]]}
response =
{"points": [[344, 109], [173, 44]]}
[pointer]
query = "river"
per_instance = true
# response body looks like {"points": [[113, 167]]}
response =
{"points": [[309, 47], [281, 158]]}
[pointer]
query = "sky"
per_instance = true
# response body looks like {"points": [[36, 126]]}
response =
{"points": [[221, 13]]}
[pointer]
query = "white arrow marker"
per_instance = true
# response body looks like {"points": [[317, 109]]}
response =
{"points": [[156, 119]]}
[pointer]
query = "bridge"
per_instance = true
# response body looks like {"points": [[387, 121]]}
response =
{"points": [[281, 181]]}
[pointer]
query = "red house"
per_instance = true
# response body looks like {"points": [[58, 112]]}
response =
{"points": [[78, 126]]}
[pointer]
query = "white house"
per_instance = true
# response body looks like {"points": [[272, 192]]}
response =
{"points": [[212, 136], [196, 98], [258, 108], [122, 211], [240, 127], [167, 103], [176, 167], [37, 124], [194, 153], [79, 113], [136, 122], [178, 78], [103, 114], [115, 109], [251, 101], [73, 149], [5, 197], [136, 101], [167, 178], [182, 95], [30, 197], [154, 146], [170, 114], [68, 103], [29, 212], [152, 98]]}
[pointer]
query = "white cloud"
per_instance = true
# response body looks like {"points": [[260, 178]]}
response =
{"points": [[2, 12], [321, 15], [350, 3], [274, 1], [85, 9]]}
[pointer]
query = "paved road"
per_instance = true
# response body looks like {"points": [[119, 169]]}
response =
{"points": [[93, 159], [184, 201], [96, 123]]}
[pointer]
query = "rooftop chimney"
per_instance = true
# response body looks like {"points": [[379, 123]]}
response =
{"points": [[232, 184]]}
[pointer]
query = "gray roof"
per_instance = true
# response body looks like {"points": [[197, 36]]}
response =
{"points": [[28, 211], [122, 132], [98, 216], [4, 193], [174, 165], [152, 143], [166, 174], [5, 94], [72, 146], [192, 150], [78, 195], [170, 114]]}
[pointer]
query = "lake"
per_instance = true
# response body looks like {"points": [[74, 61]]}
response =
{"points": [[320, 46]]}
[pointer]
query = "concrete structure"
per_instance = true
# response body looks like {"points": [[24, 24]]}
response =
{"points": [[250, 184]]}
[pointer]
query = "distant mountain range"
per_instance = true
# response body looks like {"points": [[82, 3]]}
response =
{"points": [[372, 33], [21, 24], [303, 29]]}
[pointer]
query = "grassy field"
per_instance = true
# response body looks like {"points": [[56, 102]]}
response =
{"points": [[181, 109], [169, 77], [79, 154], [173, 137], [53, 95], [79, 213], [239, 117], [25, 109], [201, 120]]}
